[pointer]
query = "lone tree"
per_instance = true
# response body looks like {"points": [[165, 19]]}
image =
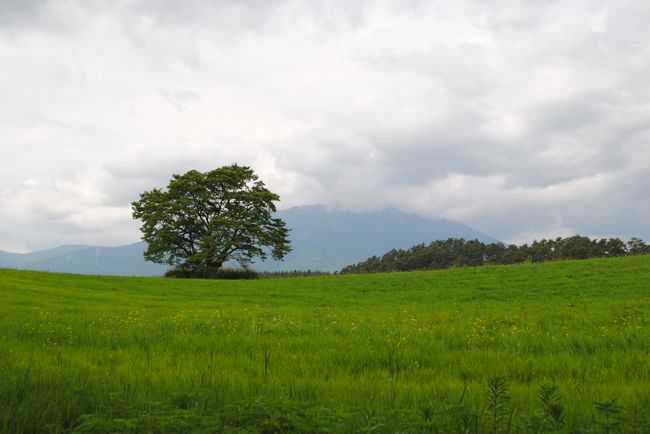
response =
{"points": [[203, 220]]}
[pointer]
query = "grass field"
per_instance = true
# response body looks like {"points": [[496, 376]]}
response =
{"points": [[552, 347]]}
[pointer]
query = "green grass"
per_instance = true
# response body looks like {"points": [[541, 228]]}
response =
{"points": [[460, 350]]}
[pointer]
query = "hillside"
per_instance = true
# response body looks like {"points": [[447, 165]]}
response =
{"points": [[407, 352], [329, 240], [118, 261], [321, 240], [26, 260]]}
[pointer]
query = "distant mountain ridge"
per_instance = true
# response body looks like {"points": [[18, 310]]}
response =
{"points": [[16, 260], [119, 261], [330, 240], [321, 240]]}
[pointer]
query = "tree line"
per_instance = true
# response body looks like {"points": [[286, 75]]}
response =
{"points": [[458, 252], [242, 274]]}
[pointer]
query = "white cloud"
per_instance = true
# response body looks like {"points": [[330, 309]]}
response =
{"points": [[520, 119]]}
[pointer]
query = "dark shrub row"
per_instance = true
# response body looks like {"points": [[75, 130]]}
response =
{"points": [[223, 273], [457, 252]]}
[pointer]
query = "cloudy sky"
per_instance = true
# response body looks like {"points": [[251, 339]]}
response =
{"points": [[522, 119]]}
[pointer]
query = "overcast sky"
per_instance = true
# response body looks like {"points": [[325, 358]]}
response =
{"points": [[522, 119]]}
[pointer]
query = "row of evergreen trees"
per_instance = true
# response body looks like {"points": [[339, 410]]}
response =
{"points": [[459, 252]]}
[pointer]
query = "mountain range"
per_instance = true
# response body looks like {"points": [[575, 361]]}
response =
{"points": [[321, 239]]}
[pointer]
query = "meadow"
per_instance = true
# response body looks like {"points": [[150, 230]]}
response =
{"points": [[551, 347]]}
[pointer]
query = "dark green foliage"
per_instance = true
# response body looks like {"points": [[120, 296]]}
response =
{"points": [[457, 252], [203, 220], [222, 273], [499, 414], [552, 416], [608, 419], [295, 273], [552, 407], [637, 420], [637, 246], [246, 416]]}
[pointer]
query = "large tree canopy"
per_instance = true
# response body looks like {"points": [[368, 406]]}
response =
{"points": [[205, 219]]}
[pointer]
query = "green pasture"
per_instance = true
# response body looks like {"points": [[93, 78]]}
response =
{"points": [[551, 347]]}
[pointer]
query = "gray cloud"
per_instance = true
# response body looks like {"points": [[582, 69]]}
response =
{"points": [[16, 13], [523, 120]]}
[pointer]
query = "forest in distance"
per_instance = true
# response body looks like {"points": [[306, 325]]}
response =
{"points": [[458, 252]]}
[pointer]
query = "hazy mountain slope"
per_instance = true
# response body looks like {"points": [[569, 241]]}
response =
{"points": [[321, 240], [13, 260], [6, 259], [123, 260], [330, 240]]}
